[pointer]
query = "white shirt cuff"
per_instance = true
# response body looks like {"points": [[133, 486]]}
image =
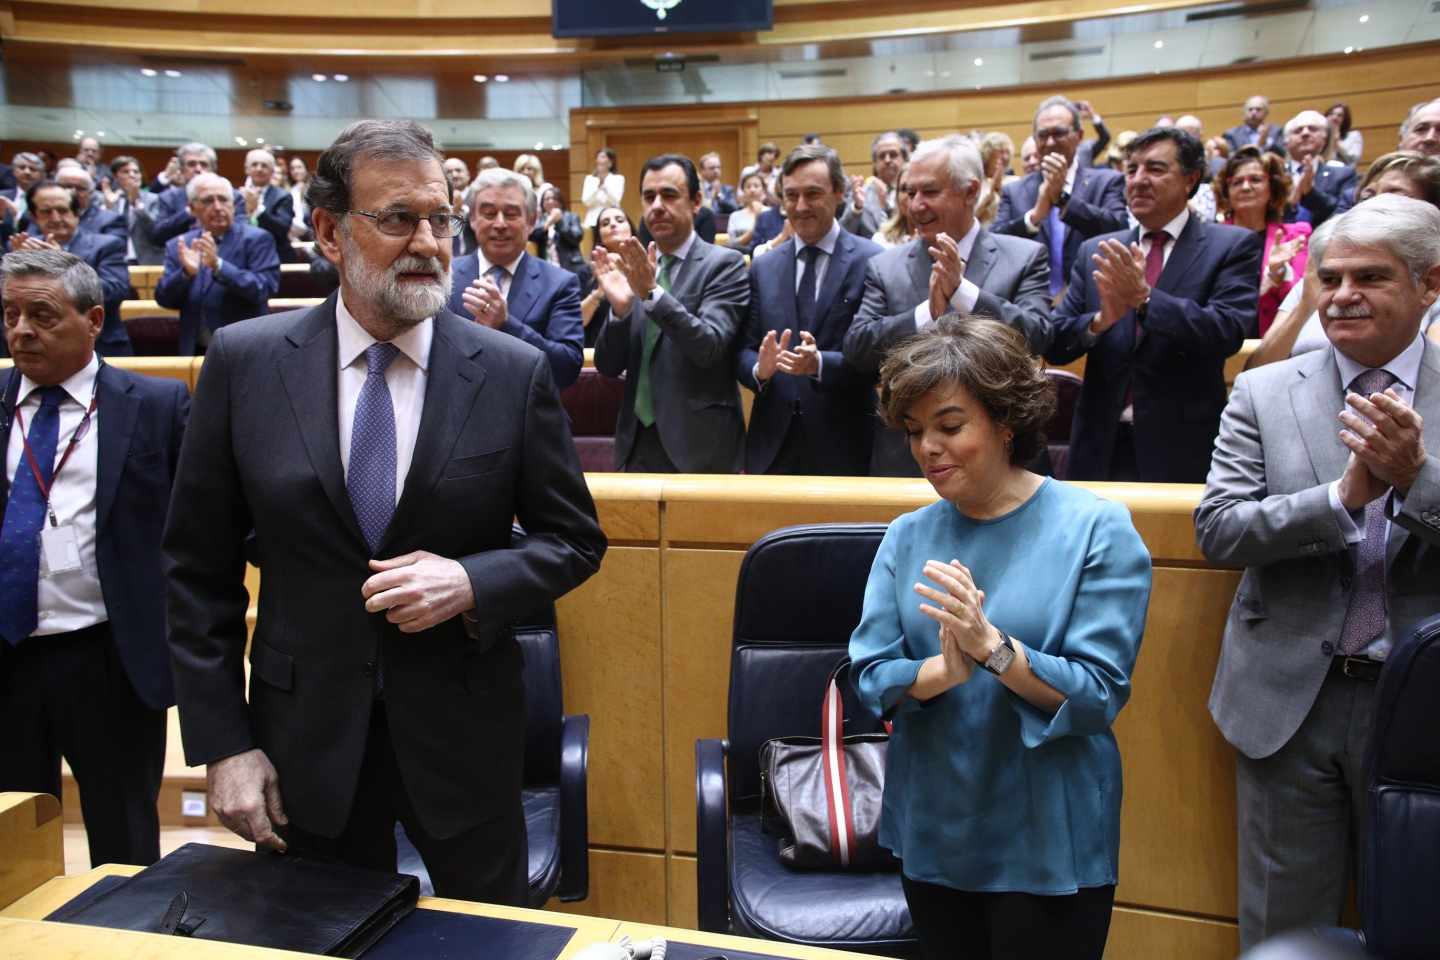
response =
{"points": [[819, 366], [966, 296], [1352, 532], [655, 294], [1030, 222], [922, 316]]}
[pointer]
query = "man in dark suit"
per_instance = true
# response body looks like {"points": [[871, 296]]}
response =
{"points": [[872, 201], [386, 682], [1156, 310], [715, 194], [1421, 130], [173, 215], [1253, 131], [136, 206], [813, 412], [674, 321], [1325, 486], [222, 271], [94, 218], [268, 205], [1065, 202], [84, 669], [952, 265], [1319, 186], [29, 170], [56, 211], [503, 287]]}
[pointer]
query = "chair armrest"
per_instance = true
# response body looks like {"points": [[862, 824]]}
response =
{"points": [[712, 867], [574, 808]]}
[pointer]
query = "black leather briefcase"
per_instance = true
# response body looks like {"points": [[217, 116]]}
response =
{"points": [[259, 899]]}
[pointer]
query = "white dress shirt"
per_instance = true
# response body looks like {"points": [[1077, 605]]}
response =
{"points": [[1030, 225], [826, 246], [71, 600], [485, 266], [596, 194], [676, 263], [967, 294], [406, 378]]}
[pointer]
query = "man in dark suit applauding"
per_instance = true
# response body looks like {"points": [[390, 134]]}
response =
{"points": [[952, 265], [1065, 202], [1319, 187], [268, 205], [503, 287], [675, 316], [90, 451], [379, 447], [1157, 309], [813, 412]]}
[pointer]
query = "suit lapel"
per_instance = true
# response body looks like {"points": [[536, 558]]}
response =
{"points": [[311, 374], [835, 271], [1427, 404], [789, 266], [1316, 399], [117, 409], [982, 258], [452, 384], [1188, 247], [7, 418], [524, 288], [918, 264]]}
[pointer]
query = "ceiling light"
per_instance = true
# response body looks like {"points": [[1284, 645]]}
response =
{"points": [[502, 78], [342, 78], [540, 145], [78, 134], [319, 77], [173, 74], [1349, 49], [259, 139], [556, 146], [979, 61], [147, 72], [480, 78], [1159, 44], [99, 133], [1364, 18]]}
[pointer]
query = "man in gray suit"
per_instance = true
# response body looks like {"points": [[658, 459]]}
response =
{"points": [[1337, 522], [675, 315], [872, 201], [953, 264]]}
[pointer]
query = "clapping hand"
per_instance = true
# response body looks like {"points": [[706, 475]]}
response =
{"points": [[485, 302], [946, 272], [1053, 171], [252, 195], [1306, 182], [611, 281], [638, 265], [189, 257], [209, 254], [857, 193], [1386, 435], [804, 360], [770, 350], [957, 605], [1280, 256], [1120, 280]]}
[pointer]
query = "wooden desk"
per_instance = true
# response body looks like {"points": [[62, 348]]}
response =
{"points": [[32, 843], [129, 309], [722, 942]]}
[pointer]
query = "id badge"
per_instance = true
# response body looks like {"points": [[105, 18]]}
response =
{"points": [[59, 548]]}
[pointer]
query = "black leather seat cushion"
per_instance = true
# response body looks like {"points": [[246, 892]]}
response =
{"points": [[847, 910]]}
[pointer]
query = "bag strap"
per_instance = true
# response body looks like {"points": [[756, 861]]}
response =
{"points": [[832, 754]]}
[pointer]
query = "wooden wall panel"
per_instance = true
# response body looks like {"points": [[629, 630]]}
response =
{"points": [[684, 908], [1145, 935], [32, 838], [622, 884]]}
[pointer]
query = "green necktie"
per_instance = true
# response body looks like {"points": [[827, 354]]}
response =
{"points": [[644, 398]]}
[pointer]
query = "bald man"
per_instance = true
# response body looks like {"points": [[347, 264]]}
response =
{"points": [[1318, 186], [268, 205]]}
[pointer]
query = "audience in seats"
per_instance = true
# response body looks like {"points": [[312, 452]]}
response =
{"points": [[267, 204], [1254, 130], [222, 271], [88, 154], [558, 234], [504, 288], [767, 156], [872, 200], [611, 229], [1420, 132], [1029, 156], [1334, 569], [1002, 795], [752, 204], [715, 193], [813, 411], [84, 669], [93, 216], [528, 166], [675, 316], [27, 169], [1347, 144], [1065, 202], [1092, 152], [299, 177], [1253, 190], [897, 231], [172, 212], [1319, 186], [131, 202], [603, 187], [1156, 310], [457, 174], [953, 265]]}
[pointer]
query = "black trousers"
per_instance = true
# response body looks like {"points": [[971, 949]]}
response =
{"points": [[67, 695], [647, 454], [1008, 926], [490, 862]]}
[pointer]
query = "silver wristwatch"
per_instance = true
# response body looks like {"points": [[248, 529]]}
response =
{"points": [[999, 661]]}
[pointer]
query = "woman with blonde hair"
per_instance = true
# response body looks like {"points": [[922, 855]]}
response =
{"points": [[528, 166], [897, 230]]}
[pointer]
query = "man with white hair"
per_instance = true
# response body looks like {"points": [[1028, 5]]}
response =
{"points": [[1421, 130], [380, 448], [1325, 486], [953, 265], [222, 271], [94, 218], [1253, 131], [268, 205], [1318, 186]]}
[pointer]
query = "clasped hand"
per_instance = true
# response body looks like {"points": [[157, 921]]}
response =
{"points": [[776, 355], [958, 607], [202, 253], [486, 303], [946, 271], [625, 275], [418, 590], [1119, 280], [1385, 438]]}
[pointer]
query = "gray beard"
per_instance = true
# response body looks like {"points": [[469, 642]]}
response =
{"points": [[404, 305]]}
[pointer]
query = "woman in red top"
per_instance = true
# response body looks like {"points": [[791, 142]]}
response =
{"points": [[1251, 192]]}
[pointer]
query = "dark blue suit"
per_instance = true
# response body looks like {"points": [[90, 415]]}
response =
{"points": [[106, 254], [1199, 313], [172, 213], [825, 426], [543, 304], [1097, 205], [277, 212], [249, 276], [117, 741], [1327, 195], [768, 225]]}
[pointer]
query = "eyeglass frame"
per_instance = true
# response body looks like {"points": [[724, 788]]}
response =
{"points": [[456, 221]]}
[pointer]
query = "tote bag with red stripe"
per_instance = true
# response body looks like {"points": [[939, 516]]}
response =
{"points": [[822, 796]]}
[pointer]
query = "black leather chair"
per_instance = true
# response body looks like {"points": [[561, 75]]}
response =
{"points": [[1057, 430], [798, 600], [556, 765]]}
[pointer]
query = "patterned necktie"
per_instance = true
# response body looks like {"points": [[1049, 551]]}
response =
{"points": [[1057, 251], [498, 275], [371, 477], [805, 295], [24, 516], [1365, 615], [644, 395]]}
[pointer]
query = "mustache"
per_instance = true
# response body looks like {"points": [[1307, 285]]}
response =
{"points": [[411, 264], [1334, 312]]}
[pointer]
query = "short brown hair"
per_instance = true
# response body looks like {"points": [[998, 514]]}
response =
{"points": [[1275, 173], [1421, 170], [808, 152], [990, 360]]}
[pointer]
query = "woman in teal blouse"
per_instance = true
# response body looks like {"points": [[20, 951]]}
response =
{"points": [[1000, 628]]}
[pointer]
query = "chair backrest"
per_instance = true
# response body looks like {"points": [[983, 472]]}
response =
{"points": [[593, 403], [798, 599], [1401, 865], [1067, 395], [154, 336], [544, 700]]}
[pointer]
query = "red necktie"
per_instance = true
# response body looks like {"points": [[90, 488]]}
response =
{"points": [[1155, 259]]}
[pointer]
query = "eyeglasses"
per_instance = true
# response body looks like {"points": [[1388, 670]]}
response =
{"points": [[210, 200], [1053, 133], [402, 223]]}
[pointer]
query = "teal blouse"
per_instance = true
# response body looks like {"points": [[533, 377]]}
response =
{"points": [[984, 792]]}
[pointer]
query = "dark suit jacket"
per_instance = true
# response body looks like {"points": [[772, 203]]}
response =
{"points": [[569, 232], [1200, 311], [7, 177], [835, 413], [106, 254], [264, 455], [1097, 205], [692, 368], [148, 251], [172, 213], [543, 304], [277, 212], [724, 199], [249, 276], [1241, 135], [1014, 280], [1327, 195], [94, 219], [141, 421]]}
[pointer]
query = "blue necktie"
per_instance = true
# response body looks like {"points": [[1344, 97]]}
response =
{"points": [[371, 478], [1057, 251], [24, 516], [805, 295], [498, 275], [1366, 610]]}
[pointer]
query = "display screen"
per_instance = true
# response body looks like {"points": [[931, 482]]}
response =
{"points": [[596, 18]]}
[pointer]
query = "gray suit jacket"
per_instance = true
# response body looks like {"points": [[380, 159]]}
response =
{"points": [[1013, 275], [1266, 507], [692, 369]]}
